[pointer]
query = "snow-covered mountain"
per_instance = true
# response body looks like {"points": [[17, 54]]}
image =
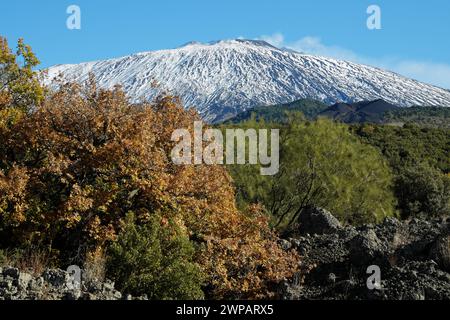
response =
{"points": [[224, 78]]}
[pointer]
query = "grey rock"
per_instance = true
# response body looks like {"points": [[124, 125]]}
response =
{"points": [[6, 284], [295, 243], [74, 294], [366, 248], [88, 296], [36, 284], [108, 286], [440, 252], [285, 244], [116, 295], [331, 278], [313, 220], [24, 280], [93, 285], [53, 285], [413, 295]]}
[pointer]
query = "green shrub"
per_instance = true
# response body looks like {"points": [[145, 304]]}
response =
{"points": [[408, 145], [419, 158], [323, 164], [154, 259], [423, 190]]}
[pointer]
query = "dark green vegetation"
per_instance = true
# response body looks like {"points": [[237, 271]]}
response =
{"points": [[323, 164], [279, 113], [409, 144], [360, 112], [420, 159], [437, 117], [343, 168], [377, 111], [154, 260]]}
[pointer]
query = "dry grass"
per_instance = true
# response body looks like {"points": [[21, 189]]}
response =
{"points": [[32, 260], [95, 266]]}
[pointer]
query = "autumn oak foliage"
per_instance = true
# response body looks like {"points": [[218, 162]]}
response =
{"points": [[72, 170]]}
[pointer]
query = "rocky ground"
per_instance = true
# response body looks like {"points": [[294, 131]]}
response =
{"points": [[413, 257], [53, 284]]}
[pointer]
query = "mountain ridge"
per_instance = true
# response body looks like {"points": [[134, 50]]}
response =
{"points": [[223, 78]]}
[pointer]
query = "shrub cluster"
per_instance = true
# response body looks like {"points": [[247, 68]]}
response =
{"points": [[74, 164], [323, 164]]}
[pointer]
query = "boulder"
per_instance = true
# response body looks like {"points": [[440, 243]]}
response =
{"points": [[440, 252], [366, 248], [36, 284], [73, 294], [24, 279], [313, 220]]}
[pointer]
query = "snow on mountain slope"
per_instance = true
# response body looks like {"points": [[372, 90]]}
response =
{"points": [[224, 78]]}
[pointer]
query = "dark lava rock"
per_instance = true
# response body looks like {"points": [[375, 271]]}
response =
{"points": [[11, 272], [366, 248], [315, 220], [56, 277], [412, 259], [440, 252]]}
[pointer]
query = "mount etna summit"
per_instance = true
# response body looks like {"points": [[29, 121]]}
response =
{"points": [[223, 78]]}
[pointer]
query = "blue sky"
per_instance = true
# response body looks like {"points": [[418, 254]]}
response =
{"points": [[414, 39]]}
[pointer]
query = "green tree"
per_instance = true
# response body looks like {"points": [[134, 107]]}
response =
{"points": [[408, 145], [419, 157], [322, 164], [19, 82], [423, 190], [20, 88], [155, 259]]}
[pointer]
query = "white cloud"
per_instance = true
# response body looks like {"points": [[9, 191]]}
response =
{"points": [[434, 73], [276, 39], [311, 45], [314, 45]]}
